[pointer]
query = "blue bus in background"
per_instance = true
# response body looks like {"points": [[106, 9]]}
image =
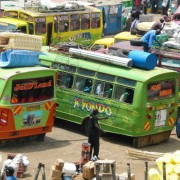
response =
{"points": [[112, 15]]}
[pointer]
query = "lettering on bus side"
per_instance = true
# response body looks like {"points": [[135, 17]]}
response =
{"points": [[89, 106]]}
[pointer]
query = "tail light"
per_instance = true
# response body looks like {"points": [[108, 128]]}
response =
{"points": [[3, 117]]}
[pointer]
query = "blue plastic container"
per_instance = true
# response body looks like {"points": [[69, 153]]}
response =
{"points": [[143, 59]]}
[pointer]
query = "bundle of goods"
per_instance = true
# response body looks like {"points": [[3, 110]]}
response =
{"points": [[18, 49], [11, 40], [170, 28], [171, 162], [18, 162], [65, 170], [175, 41]]}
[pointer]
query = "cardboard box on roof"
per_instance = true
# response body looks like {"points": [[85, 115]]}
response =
{"points": [[88, 170]]}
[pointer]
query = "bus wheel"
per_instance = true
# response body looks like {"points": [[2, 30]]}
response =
{"points": [[40, 137]]}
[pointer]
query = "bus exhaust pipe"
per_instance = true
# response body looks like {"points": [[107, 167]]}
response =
{"points": [[120, 61]]}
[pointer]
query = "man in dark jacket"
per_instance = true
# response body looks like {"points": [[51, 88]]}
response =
{"points": [[94, 128]]}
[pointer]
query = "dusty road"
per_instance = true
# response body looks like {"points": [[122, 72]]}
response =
{"points": [[65, 143]]}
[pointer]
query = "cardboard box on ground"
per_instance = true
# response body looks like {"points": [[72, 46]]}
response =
{"points": [[88, 170], [56, 172], [103, 167]]}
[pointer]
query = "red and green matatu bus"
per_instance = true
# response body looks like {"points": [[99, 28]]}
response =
{"points": [[140, 103], [27, 102]]}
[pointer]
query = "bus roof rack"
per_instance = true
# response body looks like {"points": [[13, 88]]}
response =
{"points": [[53, 7]]}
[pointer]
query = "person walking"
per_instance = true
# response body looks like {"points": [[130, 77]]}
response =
{"points": [[144, 6], [93, 134], [154, 5], [165, 7], [149, 38]]}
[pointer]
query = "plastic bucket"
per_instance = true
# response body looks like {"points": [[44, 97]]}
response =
{"points": [[85, 155], [154, 174], [143, 60], [174, 176]]}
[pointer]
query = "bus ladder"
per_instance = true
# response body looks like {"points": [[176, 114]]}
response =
{"points": [[42, 168]]}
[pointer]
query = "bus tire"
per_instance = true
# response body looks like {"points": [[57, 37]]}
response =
{"points": [[40, 137], [136, 42]]}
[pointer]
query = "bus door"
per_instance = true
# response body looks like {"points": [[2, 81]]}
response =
{"points": [[49, 32]]}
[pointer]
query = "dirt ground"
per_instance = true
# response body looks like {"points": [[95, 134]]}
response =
{"points": [[65, 142]]}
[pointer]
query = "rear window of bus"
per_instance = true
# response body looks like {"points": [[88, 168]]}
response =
{"points": [[32, 90]]}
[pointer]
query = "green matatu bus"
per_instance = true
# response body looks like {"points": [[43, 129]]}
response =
{"points": [[27, 103], [140, 103]]}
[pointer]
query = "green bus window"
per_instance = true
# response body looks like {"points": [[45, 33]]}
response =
{"points": [[126, 81], [63, 23], [83, 84], [161, 90], [86, 72], [65, 80], [124, 94], [75, 22], [108, 90], [67, 68], [95, 22], [103, 89], [31, 28], [55, 65], [85, 21], [105, 77]]}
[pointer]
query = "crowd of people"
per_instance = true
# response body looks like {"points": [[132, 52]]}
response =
{"points": [[150, 36]]}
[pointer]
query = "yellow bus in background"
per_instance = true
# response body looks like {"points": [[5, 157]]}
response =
{"points": [[55, 25]]}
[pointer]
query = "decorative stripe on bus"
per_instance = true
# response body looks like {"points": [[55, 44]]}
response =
{"points": [[147, 126], [17, 109], [48, 105], [171, 121]]}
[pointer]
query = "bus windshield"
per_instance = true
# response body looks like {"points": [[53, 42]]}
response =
{"points": [[32, 90], [161, 90], [7, 27]]}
